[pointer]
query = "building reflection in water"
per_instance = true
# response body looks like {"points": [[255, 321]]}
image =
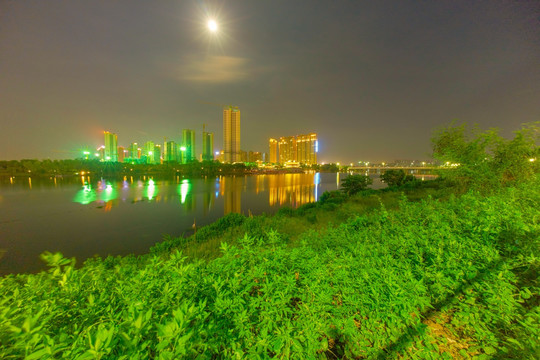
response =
{"points": [[104, 194], [231, 190], [293, 189], [209, 194], [283, 189], [186, 195]]}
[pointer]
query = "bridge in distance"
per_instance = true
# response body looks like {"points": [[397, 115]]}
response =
{"points": [[425, 170]]}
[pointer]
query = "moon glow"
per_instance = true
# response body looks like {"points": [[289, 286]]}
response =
{"points": [[212, 25]]}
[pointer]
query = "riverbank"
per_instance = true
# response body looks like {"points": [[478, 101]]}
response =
{"points": [[427, 274], [68, 168]]}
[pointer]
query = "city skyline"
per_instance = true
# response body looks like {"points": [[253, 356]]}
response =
{"points": [[376, 78]]}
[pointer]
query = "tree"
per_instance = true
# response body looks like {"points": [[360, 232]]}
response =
{"points": [[353, 184], [485, 160], [396, 177]]}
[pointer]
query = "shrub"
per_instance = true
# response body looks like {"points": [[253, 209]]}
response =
{"points": [[332, 197], [484, 160], [396, 177], [353, 184]]}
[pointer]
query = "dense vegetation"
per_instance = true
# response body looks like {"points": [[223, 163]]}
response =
{"points": [[396, 177], [444, 269]]}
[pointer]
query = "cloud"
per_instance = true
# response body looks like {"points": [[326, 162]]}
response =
{"points": [[215, 69]]}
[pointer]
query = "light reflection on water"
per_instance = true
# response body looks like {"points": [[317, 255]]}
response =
{"points": [[87, 215], [282, 189]]}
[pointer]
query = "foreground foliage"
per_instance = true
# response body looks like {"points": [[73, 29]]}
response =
{"points": [[485, 160], [432, 280]]}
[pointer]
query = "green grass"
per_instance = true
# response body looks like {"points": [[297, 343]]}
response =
{"points": [[292, 223], [420, 275]]}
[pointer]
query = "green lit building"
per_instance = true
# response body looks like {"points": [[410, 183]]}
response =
{"points": [[148, 152], [188, 146], [133, 151], [111, 147], [170, 151], [157, 154], [207, 146]]}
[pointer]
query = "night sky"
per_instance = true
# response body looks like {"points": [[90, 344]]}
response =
{"points": [[372, 78]]}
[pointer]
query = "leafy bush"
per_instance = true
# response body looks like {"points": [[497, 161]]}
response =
{"points": [[484, 160], [353, 184], [335, 197], [396, 177], [286, 211], [302, 210]]}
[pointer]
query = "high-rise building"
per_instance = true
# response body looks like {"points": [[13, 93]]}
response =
{"points": [[157, 154], [287, 149], [207, 145], [170, 151], [307, 147], [188, 146], [273, 151], [111, 147], [121, 154], [254, 156], [148, 152], [231, 134], [133, 151], [243, 156]]}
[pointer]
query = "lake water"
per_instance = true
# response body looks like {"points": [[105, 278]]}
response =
{"points": [[86, 216]]}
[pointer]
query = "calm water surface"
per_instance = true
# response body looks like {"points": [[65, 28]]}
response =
{"points": [[86, 216]]}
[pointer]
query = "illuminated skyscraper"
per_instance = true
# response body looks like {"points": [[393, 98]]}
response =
{"points": [[231, 134], [188, 142], [133, 151], [111, 147], [254, 156], [157, 154], [148, 151], [121, 154], [273, 151], [287, 149], [170, 151], [243, 156], [307, 147], [207, 146]]}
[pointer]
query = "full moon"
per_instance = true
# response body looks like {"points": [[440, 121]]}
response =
{"points": [[212, 25]]}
